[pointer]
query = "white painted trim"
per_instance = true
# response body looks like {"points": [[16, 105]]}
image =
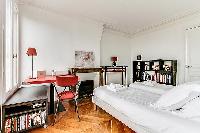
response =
{"points": [[103, 30], [2, 53], [117, 29], [47, 9], [118, 32], [114, 27], [6, 95], [186, 56], [106, 24], [166, 21], [157, 26], [197, 14]]}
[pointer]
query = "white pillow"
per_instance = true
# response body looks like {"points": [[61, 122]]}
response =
{"points": [[191, 110], [149, 83], [180, 104], [177, 94], [115, 87]]}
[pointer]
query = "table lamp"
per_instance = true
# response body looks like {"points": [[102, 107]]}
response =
{"points": [[31, 52], [114, 59]]}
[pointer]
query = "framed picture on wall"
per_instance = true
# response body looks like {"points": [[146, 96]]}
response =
{"points": [[84, 59]]}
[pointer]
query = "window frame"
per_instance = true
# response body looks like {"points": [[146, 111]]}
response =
{"points": [[13, 56], [1, 60]]}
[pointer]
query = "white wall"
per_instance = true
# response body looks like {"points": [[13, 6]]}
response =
{"points": [[56, 38], [1, 51], [60, 36], [115, 44], [168, 42]]}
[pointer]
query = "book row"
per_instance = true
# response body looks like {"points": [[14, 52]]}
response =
{"points": [[158, 77], [25, 121]]}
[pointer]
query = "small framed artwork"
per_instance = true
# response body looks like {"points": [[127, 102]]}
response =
{"points": [[139, 57], [41, 74]]}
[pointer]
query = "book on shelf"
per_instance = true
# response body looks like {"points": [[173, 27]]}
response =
{"points": [[161, 71], [8, 125], [25, 121]]}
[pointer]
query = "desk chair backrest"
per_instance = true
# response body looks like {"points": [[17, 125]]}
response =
{"points": [[66, 80]]}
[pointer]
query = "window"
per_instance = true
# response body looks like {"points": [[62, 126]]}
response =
{"points": [[11, 46]]}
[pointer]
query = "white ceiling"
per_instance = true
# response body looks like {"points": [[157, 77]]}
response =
{"points": [[130, 16]]}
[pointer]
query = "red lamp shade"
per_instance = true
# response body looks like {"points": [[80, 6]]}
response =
{"points": [[114, 58], [31, 52]]}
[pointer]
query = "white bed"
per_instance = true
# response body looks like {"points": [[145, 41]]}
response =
{"points": [[133, 107]]}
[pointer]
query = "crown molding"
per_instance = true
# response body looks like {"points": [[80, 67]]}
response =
{"points": [[156, 26], [152, 27], [115, 27], [20, 2], [166, 21], [106, 25], [47, 9]]}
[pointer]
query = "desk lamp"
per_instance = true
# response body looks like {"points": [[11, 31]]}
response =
{"points": [[31, 52], [114, 59]]}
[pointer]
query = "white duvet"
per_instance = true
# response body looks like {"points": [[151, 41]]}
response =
{"points": [[129, 94], [135, 104], [152, 86]]}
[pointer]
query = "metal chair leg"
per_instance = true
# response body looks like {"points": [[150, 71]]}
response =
{"points": [[76, 109], [78, 114], [56, 111]]}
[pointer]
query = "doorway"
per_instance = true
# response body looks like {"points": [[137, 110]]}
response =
{"points": [[192, 66]]}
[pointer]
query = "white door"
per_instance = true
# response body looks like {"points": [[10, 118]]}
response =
{"points": [[192, 67]]}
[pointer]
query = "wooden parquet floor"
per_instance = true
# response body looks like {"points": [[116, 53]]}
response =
{"points": [[91, 121]]}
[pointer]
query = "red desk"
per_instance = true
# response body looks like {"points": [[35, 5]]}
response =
{"points": [[47, 79]]}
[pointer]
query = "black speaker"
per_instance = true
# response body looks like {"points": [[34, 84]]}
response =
{"points": [[86, 88]]}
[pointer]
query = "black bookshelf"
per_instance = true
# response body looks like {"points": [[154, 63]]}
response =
{"points": [[25, 110], [161, 71]]}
